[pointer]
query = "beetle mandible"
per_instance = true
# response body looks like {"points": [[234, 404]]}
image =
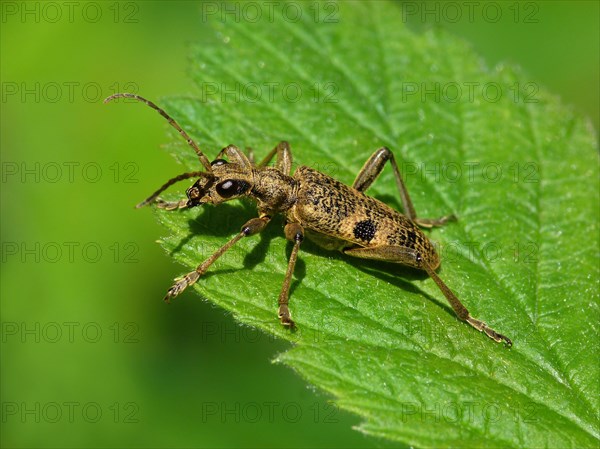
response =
{"points": [[333, 215]]}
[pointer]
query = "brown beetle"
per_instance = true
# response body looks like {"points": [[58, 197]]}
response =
{"points": [[332, 214]]}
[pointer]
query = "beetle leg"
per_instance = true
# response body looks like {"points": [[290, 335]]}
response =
{"points": [[373, 168], [295, 233], [171, 205], [410, 257], [251, 227], [250, 155], [234, 154], [283, 160]]}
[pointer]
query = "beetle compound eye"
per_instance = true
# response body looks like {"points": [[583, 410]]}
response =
{"points": [[218, 162], [232, 187]]}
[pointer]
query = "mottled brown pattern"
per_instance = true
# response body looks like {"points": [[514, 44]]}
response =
{"points": [[327, 206], [334, 215]]}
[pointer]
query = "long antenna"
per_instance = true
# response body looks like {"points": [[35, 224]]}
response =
{"points": [[203, 159], [170, 182]]}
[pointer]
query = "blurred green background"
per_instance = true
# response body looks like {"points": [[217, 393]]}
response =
{"points": [[90, 355]]}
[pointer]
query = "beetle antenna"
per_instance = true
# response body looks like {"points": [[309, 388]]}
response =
{"points": [[170, 182], [203, 159]]}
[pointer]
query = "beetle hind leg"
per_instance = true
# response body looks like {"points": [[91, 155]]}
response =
{"points": [[412, 258], [371, 171], [431, 222]]}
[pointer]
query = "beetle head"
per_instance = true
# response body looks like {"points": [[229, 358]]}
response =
{"points": [[227, 181]]}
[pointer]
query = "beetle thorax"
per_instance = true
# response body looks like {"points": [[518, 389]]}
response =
{"points": [[273, 190]]}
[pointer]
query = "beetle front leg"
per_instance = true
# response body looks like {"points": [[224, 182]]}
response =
{"points": [[373, 168], [251, 227], [283, 160], [294, 232], [250, 155], [234, 154], [171, 205]]}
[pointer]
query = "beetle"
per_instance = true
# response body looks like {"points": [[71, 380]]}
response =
{"points": [[333, 215]]}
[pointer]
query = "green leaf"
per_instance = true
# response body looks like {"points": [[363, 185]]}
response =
{"points": [[519, 170]]}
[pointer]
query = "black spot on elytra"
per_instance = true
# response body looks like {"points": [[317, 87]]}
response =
{"points": [[412, 236], [365, 230]]}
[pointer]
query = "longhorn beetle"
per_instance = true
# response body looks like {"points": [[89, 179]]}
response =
{"points": [[333, 215]]}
